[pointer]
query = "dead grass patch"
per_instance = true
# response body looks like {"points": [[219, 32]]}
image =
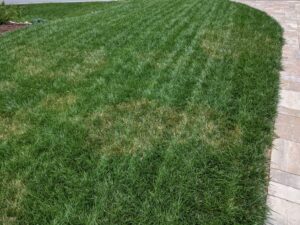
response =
{"points": [[130, 127], [58, 103], [77, 64], [213, 44], [11, 127], [8, 86], [136, 126], [12, 204]]}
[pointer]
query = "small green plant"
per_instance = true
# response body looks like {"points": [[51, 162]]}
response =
{"points": [[8, 13], [38, 21]]}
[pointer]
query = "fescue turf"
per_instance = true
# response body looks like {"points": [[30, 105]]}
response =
{"points": [[54, 11], [147, 112]]}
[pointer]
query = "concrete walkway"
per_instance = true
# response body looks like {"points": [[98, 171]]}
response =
{"points": [[284, 186]]}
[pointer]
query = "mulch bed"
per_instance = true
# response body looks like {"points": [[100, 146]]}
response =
{"points": [[11, 27]]}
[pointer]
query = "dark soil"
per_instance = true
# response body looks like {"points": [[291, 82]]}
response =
{"points": [[10, 27]]}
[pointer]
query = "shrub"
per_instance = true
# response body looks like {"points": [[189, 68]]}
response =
{"points": [[8, 13]]}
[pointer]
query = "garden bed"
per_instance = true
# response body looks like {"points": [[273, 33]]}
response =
{"points": [[7, 27]]}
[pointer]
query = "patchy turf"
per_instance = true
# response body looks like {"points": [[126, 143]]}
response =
{"points": [[147, 112]]}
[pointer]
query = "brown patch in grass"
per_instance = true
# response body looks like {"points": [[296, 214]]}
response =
{"points": [[137, 126], [209, 127], [214, 45], [77, 64], [12, 204], [7, 86], [11, 127], [58, 103], [32, 61], [130, 127]]}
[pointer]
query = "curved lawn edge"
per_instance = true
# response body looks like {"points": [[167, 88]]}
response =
{"points": [[78, 100], [270, 217], [284, 172]]}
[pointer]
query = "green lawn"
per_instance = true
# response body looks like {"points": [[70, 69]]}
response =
{"points": [[60, 11], [142, 112]]}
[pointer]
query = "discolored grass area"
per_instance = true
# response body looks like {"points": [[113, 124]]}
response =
{"points": [[147, 112]]}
